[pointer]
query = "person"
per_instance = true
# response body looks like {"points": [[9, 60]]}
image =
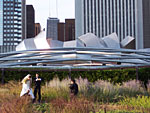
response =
{"points": [[73, 88], [26, 86], [37, 88]]}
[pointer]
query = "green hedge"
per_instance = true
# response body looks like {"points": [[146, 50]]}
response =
{"points": [[115, 76]]}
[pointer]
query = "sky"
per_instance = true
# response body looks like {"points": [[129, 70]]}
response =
{"points": [[47, 8]]}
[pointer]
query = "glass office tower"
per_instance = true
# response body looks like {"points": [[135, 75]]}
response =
{"points": [[52, 31], [12, 24]]}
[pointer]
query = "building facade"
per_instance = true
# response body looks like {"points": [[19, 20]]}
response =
{"points": [[66, 31], [12, 24], [125, 17], [37, 28], [69, 29], [61, 31], [30, 21], [52, 30], [146, 23]]}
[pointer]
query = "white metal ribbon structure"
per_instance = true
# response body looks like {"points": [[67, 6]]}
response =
{"points": [[74, 58]]}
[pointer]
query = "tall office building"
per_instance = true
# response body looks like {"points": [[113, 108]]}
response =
{"points": [[146, 23], [37, 28], [69, 29], [52, 28], [66, 31], [61, 31], [30, 21], [125, 17], [12, 24]]}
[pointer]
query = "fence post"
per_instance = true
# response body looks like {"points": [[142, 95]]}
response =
{"points": [[69, 73], [105, 111], [2, 77], [137, 73]]}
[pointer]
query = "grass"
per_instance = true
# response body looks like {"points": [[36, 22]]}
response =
{"points": [[98, 97]]}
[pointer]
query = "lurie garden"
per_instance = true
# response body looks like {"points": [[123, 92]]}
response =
{"points": [[90, 82], [114, 91]]}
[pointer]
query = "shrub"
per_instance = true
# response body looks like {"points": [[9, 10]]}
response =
{"points": [[115, 76]]}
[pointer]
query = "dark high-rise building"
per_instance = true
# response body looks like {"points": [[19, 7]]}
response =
{"points": [[52, 28], [30, 21], [37, 28], [12, 24], [61, 32], [125, 17], [66, 31], [69, 29]]}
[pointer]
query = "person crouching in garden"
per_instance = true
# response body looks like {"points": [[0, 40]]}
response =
{"points": [[73, 88]]}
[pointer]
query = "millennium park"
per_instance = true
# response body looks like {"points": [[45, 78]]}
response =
{"points": [[74, 56]]}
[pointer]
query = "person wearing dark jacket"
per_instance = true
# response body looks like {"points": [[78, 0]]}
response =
{"points": [[37, 88], [73, 87]]}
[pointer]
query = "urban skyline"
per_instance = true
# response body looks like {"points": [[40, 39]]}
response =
{"points": [[100, 17], [48, 9]]}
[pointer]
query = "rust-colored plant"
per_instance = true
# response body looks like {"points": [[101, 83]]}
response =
{"points": [[16, 105]]}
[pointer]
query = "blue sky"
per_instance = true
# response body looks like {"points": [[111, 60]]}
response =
{"points": [[46, 8]]}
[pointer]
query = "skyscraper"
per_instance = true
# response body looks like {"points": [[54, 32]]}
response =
{"points": [[66, 31], [125, 17], [69, 29], [146, 23], [30, 21], [12, 24], [61, 31], [52, 28], [37, 28]]}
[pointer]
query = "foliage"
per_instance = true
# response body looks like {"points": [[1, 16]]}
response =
{"points": [[115, 76]]}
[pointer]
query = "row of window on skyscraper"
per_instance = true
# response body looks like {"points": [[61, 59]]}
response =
{"points": [[11, 23], [102, 17]]}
